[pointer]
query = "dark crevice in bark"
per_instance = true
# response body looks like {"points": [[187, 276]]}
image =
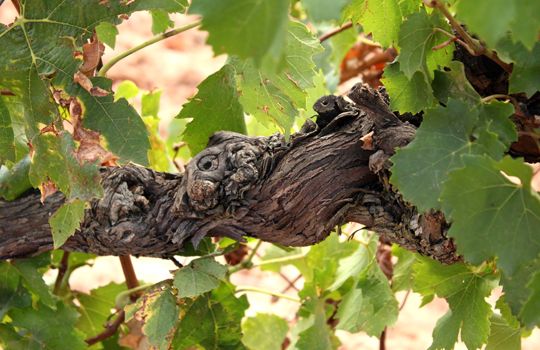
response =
{"points": [[288, 192]]}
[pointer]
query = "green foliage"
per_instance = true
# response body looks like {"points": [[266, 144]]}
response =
{"points": [[264, 332], [95, 308], [494, 207], [53, 329], [200, 276], [212, 320], [246, 28], [458, 163], [417, 37], [407, 95], [502, 336], [65, 221], [465, 291], [214, 108], [274, 97], [381, 18], [160, 313]]}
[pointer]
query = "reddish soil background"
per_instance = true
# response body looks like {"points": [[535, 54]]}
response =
{"points": [[176, 66]]}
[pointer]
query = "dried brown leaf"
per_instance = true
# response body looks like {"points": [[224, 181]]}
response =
{"points": [[90, 149], [47, 188], [83, 80], [367, 141], [92, 53]]}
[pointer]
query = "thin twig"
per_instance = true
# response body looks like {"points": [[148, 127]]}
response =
{"points": [[131, 283], [6, 93], [333, 32], [404, 300], [103, 71], [129, 273], [498, 96], [110, 329], [476, 46], [290, 284], [267, 292], [249, 259], [62, 268], [248, 263], [382, 340], [176, 262]]}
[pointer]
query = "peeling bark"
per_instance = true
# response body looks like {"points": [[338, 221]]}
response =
{"points": [[289, 192]]}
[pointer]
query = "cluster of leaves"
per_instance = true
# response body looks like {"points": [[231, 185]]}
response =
{"points": [[276, 68]]}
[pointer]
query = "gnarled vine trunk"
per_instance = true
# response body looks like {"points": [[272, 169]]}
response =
{"points": [[288, 192]]}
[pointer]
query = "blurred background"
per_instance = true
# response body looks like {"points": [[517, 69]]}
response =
{"points": [[175, 67]]}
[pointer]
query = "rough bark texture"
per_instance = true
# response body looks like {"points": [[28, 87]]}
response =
{"points": [[293, 193]]}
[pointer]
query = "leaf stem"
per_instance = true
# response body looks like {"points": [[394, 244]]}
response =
{"points": [[333, 32], [129, 272], [62, 268], [475, 45], [110, 329], [247, 264], [267, 292], [103, 71]]}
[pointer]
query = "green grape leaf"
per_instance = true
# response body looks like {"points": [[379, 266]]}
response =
{"points": [[95, 308], [54, 159], [44, 59], [106, 33], [65, 221], [381, 18], [14, 182], [502, 336], [274, 97], [452, 83], [516, 288], [465, 291], [12, 293], [110, 118], [402, 279], [492, 216], [407, 95], [32, 278], [370, 306], [212, 321], [490, 19], [160, 314], [246, 28], [324, 259], [7, 138], [11, 339], [526, 72], [160, 21], [314, 333], [446, 134], [52, 329], [323, 10], [527, 30], [417, 37], [150, 103], [409, 7], [126, 89], [506, 311], [264, 332], [353, 265], [530, 314], [200, 276], [215, 107]]}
